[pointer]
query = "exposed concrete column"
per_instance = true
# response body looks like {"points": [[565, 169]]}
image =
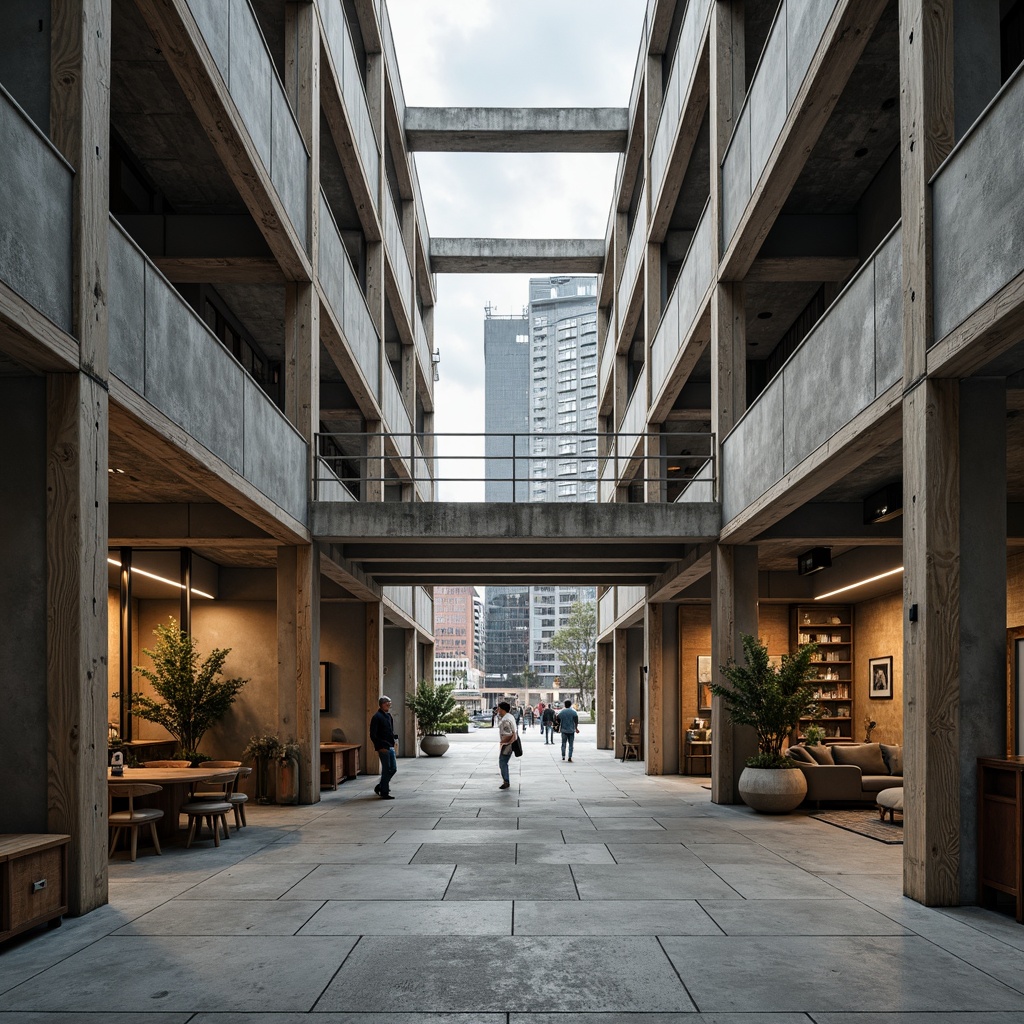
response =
{"points": [[605, 671], [298, 660], [733, 613], [619, 687], [653, 681], [374, 678], [982, 600], [77, 444]]}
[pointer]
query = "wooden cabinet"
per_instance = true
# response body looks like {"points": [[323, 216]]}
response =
{"points": [[1001, 830], [33, 881], [338, 762], [831, 628]]}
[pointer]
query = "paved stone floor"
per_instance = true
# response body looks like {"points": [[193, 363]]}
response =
{"points": [[587, 892]]}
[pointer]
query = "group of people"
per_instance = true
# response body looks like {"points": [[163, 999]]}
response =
{"points": [[382, 735]]}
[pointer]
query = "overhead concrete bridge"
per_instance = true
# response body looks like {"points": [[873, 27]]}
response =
{"points": [[457, 543]]}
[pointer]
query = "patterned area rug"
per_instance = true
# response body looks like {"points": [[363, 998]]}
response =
{"points": [[864, 823]]}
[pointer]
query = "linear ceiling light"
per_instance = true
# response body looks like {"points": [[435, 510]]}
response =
{"points": [[861, 583], [161, 579]]}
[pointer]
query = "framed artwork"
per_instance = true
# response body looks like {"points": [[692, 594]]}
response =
{"points": [[325, 686], [880, 678], [703, 682]]}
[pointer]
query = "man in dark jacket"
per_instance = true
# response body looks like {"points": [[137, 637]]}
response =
{"points": [[547, 723], [382, 736]]}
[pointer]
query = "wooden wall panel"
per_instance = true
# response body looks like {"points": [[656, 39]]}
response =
{"points": [[878, 632]]}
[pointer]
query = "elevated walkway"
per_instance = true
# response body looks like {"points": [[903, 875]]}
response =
{"points": [[457, 543]]}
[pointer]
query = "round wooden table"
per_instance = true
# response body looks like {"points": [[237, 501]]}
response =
{"points": [[176, 784]]}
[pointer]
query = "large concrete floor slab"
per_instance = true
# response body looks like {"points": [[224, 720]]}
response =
{"points": [[585, 894]]}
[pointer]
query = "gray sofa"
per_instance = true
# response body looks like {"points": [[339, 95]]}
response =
{"points": [[848, 772]]}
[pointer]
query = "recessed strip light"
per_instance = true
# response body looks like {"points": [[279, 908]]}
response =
{"points": [[853, 586], [161, 579]]}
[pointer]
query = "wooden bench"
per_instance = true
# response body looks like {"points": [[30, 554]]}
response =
{"points": [[33, 881], [338, 762]]}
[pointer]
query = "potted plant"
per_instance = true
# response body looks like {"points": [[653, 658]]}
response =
{"points": [[262, 751], [286, 778], [432, 705], [771, 700], [193, 698]]}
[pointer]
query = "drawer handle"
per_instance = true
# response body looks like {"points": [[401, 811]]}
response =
{"points": [[39, 886]]}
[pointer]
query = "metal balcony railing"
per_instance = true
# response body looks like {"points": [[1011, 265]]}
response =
{"points": [[521, 467]]}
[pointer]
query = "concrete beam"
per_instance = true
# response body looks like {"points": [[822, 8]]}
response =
{"points": [[516, 129], [517, 255], [833, 523]]}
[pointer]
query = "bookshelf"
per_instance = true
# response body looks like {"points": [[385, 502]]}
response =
{"points": [[831, 628]]}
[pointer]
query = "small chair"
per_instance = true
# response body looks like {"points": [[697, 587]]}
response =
{"points": [[237, 798], [632, 741], [212, 804], [133, 817], [166, 764]]}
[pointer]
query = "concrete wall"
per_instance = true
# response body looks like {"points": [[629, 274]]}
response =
{"points": [[851, 357], [25, 57], [978, 212], [394, 680], [343, 647], [684, 65], [23, 724], [234, 39], [634, 662], [684, 305], [792, 42], [878, 632], [35, 215], [634, 257], [346, 298], [162, 350], [395, 246], [339, 43]]}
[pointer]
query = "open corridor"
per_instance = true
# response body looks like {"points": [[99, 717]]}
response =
{"points": [[587, 892]]}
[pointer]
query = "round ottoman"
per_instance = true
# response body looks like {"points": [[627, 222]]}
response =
{"points": [[890, 800]]}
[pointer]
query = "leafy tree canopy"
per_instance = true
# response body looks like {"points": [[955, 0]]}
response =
{"points": [[575, 644]]}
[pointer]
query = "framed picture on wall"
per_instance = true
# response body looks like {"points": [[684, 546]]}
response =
{"points": [[880, 678], [703, 682], [325, 686]]}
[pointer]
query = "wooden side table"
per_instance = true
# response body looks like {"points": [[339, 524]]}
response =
{"points": [[33, 881], [338, 762], [1001, 830], [696, 751]]}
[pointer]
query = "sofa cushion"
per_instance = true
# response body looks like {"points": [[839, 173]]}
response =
{"points": [[820, 753], [893, 757], [866, 756], [875, 783], [799, 753]]}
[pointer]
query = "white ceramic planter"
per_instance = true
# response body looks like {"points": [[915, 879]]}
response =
{"points": [[435, 746], [772, 790]]}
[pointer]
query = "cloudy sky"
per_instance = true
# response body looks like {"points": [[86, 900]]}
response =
{"points": [[504, 53]]}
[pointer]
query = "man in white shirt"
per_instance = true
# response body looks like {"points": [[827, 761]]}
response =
{"points": [[507, 733]]}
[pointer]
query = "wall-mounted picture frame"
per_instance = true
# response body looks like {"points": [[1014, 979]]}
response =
{"points": [[325, 686], [880, 678], [703, 682]]}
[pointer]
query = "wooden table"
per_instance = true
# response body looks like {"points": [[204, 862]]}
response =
{"points": [[338, 762], [1001, 830], [176, 782]]}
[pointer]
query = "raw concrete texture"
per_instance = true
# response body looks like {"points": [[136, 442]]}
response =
{"points": [[736, 185], [35, 217], [806, 21], [213, 17], [516, 255], [25, 57], [127, 310], [753, 453], [978, 212], [888, 271], [767, 102], [251, 79], [289, 162]]}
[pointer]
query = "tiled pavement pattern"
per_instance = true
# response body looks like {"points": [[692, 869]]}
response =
{"points": [[587, 893]]}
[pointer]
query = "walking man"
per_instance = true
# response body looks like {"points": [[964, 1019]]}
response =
{"points": [[547, 723], [568, 726], [506, 737], [382, 736]]}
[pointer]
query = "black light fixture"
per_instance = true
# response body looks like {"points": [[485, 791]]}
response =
{"points": [[814, 560], [884, 504]]}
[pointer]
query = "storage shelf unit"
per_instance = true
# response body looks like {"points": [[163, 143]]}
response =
{"points": [[831, 628]]}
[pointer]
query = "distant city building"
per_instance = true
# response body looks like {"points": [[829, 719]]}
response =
{"points": [[506, 407], [508, 632], [454, 626]]}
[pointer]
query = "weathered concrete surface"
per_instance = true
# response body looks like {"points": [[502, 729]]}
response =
{"points": [[517, 255], [517, 129], [452, 542]]}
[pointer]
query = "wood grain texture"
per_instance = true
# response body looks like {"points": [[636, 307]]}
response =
{"points": [[76, 643], [931, 646], [605, 672], [879, 631], [655, 682], [220, 269], [29, 338]]}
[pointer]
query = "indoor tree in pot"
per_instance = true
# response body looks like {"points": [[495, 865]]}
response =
{"points": [[432, 705], [771, 700]]}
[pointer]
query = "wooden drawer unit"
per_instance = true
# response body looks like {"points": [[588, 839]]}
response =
{"points": [[33, 881]]}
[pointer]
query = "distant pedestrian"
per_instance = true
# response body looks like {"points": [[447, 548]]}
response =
{"points": [[382, 736], [528, 716], [568, 726], [547, 724], [519, 717], [507, 734]]}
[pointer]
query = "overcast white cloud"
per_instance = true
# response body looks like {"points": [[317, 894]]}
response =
{"points": [[531, 53]]}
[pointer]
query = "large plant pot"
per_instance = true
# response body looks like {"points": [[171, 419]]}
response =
{"points": [[287, 779], [772, 790], [435, 746]]}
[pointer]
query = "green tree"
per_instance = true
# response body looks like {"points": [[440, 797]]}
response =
{"points": [[529, 677], [575, 644], [770, 699], [193, 698]]}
